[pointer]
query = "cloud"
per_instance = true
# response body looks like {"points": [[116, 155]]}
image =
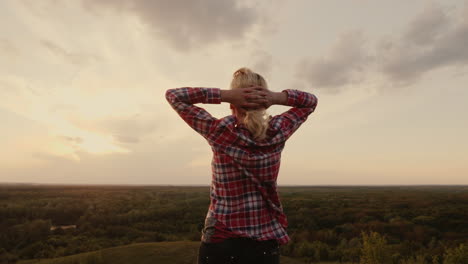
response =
{"points": [[72, 139], [74, 58], [7, 48], [44, 156], [126, 139], [186, 24], [344, 63], [427, 26], [432, 40], [262, 61], [128, 129]]}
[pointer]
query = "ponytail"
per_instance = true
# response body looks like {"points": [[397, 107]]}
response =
{"points": [[256, 121]]}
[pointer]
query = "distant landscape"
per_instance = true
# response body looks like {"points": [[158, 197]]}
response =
{"points": [[161, 224]]}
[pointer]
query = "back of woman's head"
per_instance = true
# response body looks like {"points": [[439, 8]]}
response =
{"points": [[256, 121]]}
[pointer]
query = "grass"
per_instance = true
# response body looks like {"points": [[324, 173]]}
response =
{"points": [[180, 252]]}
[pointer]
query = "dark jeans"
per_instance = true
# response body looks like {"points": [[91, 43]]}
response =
{"points": [[239, 251]]}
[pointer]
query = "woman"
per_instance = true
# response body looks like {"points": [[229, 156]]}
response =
{"points": [[245, 222]]}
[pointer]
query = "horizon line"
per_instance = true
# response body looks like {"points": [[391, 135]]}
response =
{"points": [[207, 185]]}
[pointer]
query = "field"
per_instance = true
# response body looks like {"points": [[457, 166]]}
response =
{"points": [[142, 253], [161, 224]]}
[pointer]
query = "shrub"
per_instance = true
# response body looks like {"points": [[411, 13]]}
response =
{"points": [[374, 249], [456, 255]]}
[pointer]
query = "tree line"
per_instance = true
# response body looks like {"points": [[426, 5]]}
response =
{"points": [[421, 224]]}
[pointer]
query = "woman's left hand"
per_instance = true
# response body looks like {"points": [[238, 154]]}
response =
{"points": [[249, 98], [262, 96]]}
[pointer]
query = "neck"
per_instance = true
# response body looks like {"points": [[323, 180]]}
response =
{"points": [[240, 116]]}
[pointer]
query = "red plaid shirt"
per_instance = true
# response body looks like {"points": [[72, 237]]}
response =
{"points": [[243, 192]]}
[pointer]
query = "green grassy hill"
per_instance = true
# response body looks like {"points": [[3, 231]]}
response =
{"points": [[180, 252]]}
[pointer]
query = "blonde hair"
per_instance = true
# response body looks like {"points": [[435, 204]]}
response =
{"points": [[256, 121]]}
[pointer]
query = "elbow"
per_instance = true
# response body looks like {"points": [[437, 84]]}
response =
{"points": [[314, 102], [170, 94]]}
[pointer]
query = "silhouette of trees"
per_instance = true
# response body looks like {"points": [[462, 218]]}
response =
{"points": [[374, 249], [347, 224], [456, 255]]}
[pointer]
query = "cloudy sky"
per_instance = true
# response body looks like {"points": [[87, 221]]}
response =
{"points": [[82, 87]]}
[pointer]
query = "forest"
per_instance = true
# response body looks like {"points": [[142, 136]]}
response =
{"points": [[345, 224]]}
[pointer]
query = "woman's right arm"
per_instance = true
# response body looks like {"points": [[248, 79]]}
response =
{"points": [[295, 98], [288, 97], [302, 103]]}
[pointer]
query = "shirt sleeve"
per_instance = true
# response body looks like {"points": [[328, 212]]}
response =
{"points": [[303, 104], [182, 101]]}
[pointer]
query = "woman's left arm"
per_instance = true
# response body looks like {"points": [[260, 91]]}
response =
{"points": [[183, 99]]}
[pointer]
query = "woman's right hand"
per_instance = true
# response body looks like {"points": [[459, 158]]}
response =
{"points": [[267, 98], [264, 97], [250, 98]]}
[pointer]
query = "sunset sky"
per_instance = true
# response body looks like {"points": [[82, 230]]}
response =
{"points": [[82, 86]]}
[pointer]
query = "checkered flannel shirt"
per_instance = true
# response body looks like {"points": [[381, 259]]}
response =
{"points": [[243, 192]]}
